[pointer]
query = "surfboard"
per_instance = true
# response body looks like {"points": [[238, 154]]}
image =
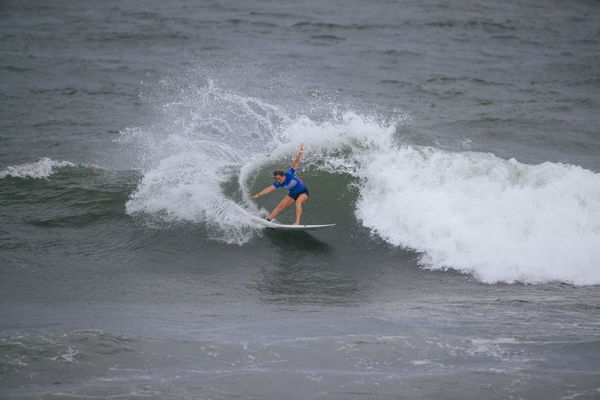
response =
{"points": [[276, 225]]}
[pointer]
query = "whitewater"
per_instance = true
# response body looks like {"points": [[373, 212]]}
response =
{"points": [[499, 220]]}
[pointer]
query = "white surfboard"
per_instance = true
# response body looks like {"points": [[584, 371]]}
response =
{"points": [[276, 225]]}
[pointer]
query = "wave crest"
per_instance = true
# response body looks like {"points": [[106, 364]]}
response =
{"points": [[499, 220], [41, 169]]}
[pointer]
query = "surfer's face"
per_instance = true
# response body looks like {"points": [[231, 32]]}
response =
{"points": [[280, 178]]}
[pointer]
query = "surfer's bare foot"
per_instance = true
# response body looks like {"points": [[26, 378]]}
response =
{"points": [[296, 223]]}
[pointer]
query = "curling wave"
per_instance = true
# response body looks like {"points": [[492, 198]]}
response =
{"points": [[497, 219]]}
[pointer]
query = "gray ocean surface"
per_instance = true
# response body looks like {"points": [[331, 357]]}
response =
{"points": [[456, 145]]}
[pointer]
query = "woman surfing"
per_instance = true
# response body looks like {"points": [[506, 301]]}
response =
{"points": [[298, 192]]}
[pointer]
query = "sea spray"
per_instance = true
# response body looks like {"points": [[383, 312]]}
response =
{"points": [[197, 142]]}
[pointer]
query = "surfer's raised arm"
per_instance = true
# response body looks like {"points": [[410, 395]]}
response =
{"points": [[298, 157], [263, 192]]}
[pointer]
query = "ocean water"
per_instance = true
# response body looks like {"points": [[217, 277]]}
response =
{"points": [[456, 145]]}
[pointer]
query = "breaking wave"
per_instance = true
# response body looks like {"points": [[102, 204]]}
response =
{"points": [[500, 220], [41, 169]]}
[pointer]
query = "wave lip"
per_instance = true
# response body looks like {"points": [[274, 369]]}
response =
{"points": [[501, 221], [41, 169]]}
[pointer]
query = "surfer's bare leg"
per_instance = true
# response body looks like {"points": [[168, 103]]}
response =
{"points": [[301, 199], [285, 202]]}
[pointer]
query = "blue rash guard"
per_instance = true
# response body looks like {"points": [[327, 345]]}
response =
{"points": [[292, 183]]}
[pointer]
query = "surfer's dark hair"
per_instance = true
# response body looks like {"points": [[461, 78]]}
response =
{"points": [[278, 172]]}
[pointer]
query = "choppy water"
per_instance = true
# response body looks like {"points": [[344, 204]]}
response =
{"points": [[455, 144]]}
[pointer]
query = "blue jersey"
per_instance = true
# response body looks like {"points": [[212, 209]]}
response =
{"points": [[292, 182]]}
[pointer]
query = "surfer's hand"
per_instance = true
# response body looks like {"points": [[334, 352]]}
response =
{"points": [[301, 146], [256, 196]]}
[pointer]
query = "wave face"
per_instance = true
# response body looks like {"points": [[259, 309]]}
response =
{"points": [[473, 212]]}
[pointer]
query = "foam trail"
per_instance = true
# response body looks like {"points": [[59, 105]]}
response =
{"points": [[41, 169]]}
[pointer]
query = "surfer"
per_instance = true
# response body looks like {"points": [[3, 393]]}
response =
{"points": [[298, 192]]}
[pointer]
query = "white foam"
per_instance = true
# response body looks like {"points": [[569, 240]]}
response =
{"points": [[193, 149], [68, 356], [183, 188], [499, 220], [41, 169]]}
